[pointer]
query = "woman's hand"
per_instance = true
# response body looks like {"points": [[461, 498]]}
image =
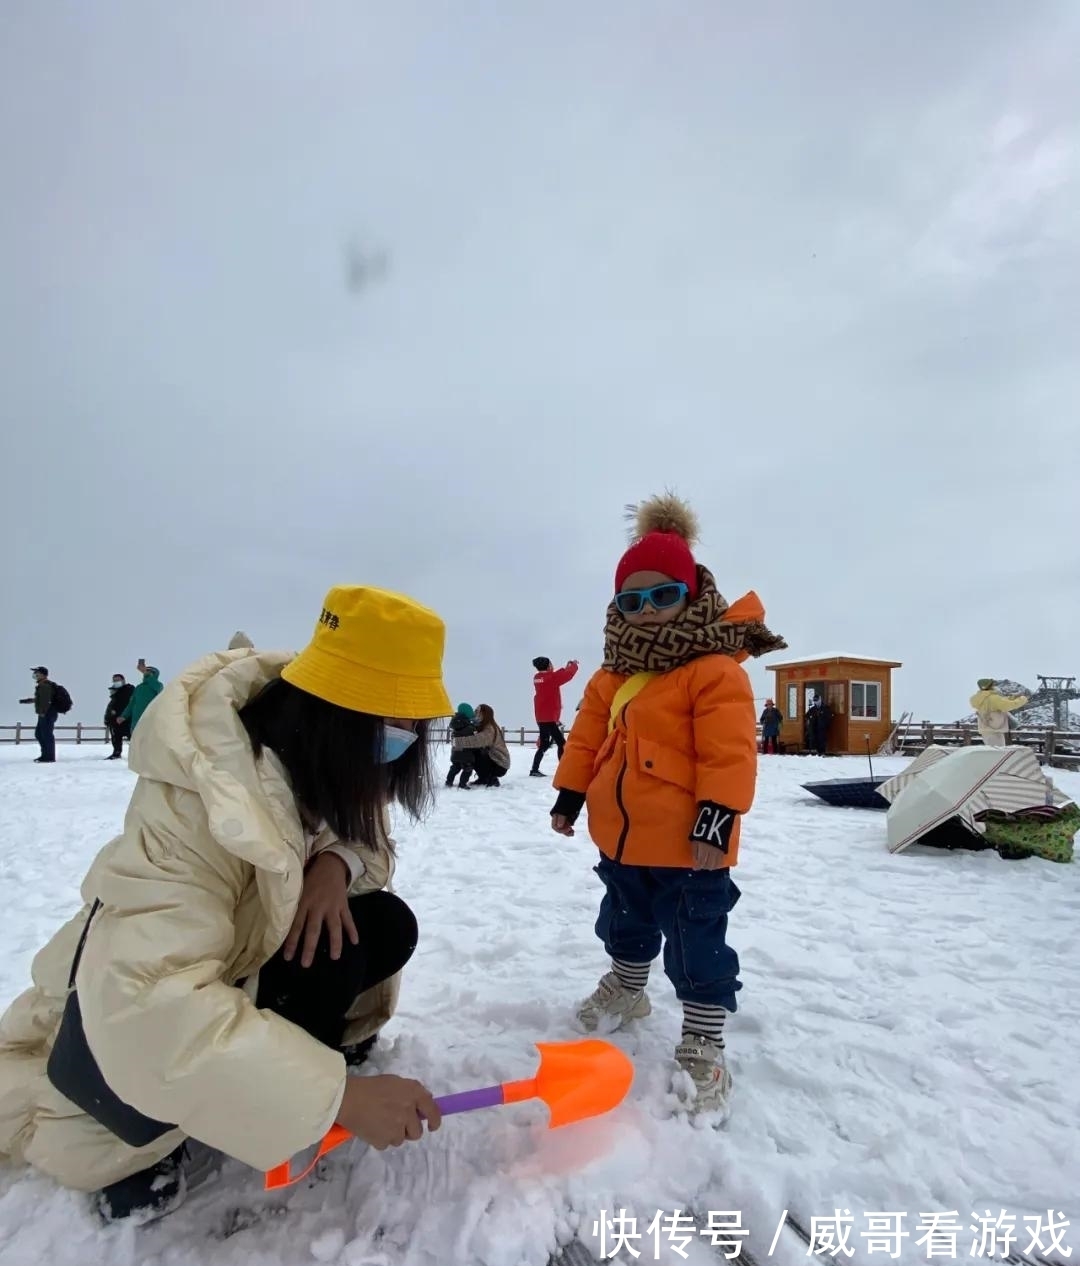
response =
{"points": [[708, 856], [561, 823], [384, 1111], [324, 901]]}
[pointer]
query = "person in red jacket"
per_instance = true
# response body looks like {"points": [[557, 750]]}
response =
{"points": [[547, 705]]}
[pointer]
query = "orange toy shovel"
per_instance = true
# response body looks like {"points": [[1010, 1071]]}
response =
{"points": [[576, 1080]]}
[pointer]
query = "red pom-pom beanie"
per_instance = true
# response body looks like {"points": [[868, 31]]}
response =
{"points": [[665, 531], [666, 552]]}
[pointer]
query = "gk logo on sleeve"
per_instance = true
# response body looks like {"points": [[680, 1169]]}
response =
{"points": [[714, 825]]}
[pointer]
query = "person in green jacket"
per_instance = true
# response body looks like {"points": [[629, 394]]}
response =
{"points": [[145, 693]]}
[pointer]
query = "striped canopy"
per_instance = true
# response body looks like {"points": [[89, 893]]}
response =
{"points": [[948, 783]]}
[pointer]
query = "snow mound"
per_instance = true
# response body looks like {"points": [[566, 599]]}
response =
{"points": [[895, 1048]]}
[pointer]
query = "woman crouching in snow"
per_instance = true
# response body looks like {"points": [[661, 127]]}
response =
{"points": [[240, 946], [487, 746]]}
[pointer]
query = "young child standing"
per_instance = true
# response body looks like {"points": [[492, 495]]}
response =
{"points": [[664, 754], [462, 724]]}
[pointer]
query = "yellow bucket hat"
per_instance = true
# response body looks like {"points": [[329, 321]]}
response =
{"points": [[377, 652]]}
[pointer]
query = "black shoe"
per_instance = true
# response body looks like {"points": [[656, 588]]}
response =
{"points": [[146, 1196], [357, 1054], [535, 773], [45, 760]]}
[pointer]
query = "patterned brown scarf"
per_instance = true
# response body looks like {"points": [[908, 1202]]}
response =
{"points": [[699, 630]]}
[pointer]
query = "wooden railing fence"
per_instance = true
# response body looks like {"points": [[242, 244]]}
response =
{"points": [[23, 732], [1054, 747], [1060, 748]]}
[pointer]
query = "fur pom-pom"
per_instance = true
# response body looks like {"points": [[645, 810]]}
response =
{"points": [[666, 513]]}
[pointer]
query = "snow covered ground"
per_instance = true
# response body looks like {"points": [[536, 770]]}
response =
{"points": [[905, 1044]]}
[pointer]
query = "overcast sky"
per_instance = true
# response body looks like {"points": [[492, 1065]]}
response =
{"points": [[815, 266]]}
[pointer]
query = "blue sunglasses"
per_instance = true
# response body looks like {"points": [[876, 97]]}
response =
{"points": [[659, 597]]}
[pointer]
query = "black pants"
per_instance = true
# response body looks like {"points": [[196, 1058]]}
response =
{"points": [[461, 762], [118, 731], [43, 732], [550, 735], [488, 771], [317, 997]]}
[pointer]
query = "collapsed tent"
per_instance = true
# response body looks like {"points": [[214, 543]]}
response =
{"points": [[980, 797]]}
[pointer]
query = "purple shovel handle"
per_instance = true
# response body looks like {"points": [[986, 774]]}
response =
{"points": [[469, 1100]]}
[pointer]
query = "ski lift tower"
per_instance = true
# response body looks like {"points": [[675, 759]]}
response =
{"points": [[1060, 690]]}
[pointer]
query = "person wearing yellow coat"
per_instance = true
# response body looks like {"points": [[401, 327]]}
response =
{"points": [[239, 944], [992, 712]]}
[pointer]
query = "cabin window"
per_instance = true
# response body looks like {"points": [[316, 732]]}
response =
{"points": [[866, 700], [793, 703]]}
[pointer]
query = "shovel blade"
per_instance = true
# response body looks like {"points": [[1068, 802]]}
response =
{"points": [[578, 1080]]}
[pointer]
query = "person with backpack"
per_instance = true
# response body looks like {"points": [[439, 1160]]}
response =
{"points": [[547, 707], [49, 700], [120, 693], [143, 695]]}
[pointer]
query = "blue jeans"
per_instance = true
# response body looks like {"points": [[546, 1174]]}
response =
{"points": [[686, 911], [43, 732]]}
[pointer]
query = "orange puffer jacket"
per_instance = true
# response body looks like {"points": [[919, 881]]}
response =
{"points": [[689, 735]]}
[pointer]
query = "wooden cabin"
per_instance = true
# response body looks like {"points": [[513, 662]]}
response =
{"points": [[857, 689]]}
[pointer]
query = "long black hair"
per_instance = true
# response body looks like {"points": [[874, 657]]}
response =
{"points": [[331, 755]]}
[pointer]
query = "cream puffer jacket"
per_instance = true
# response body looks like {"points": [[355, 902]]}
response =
{"points": [[197, 893]]}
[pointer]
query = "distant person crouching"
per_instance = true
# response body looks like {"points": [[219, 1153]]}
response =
{"points": [[488, 748]]}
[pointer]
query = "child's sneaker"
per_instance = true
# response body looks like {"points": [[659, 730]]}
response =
{"points": [[611, 1005], [704, 1063]]}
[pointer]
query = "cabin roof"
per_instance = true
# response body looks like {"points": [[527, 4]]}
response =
{"points": [[834, 657]]}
